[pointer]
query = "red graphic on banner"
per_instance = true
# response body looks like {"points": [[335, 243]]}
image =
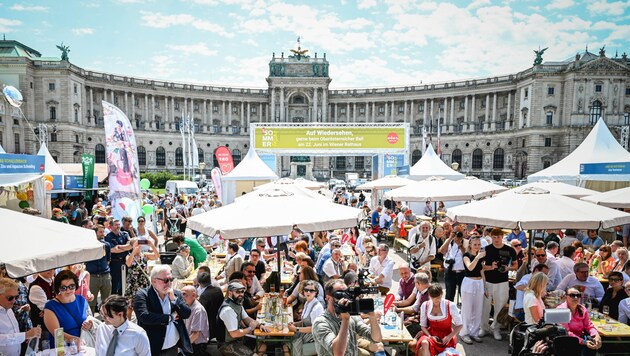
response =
{"points": [[392, 137], [224, 157], [389, 299]]}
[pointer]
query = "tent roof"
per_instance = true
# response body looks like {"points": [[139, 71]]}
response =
{"points": [[600, 146], [430, 165], [52, 168], [2, 149], [251, 168], [11, 180], [76, 169]]}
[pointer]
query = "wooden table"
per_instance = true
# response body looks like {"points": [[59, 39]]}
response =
{"points": [[274, 334], [396, 337], [215, 266], [615, 337]]}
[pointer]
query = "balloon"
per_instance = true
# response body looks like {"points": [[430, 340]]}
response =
{"points": [[21, 196], [49, 178], [14, 97], [145, 184], [49, 185], [147, 209], [24, 204], [389, 299]]}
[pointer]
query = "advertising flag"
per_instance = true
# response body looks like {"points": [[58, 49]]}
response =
{"points": [[215, 175], [122, 164], [224, 158], [195, 154], [439, 149], [87, 162]]}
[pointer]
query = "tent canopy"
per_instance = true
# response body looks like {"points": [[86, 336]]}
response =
{"points": [[599, 146], [33, 244], [52, 168], [251, 168], [76, 169], [618, 198], [430, 165], [387, 182]]}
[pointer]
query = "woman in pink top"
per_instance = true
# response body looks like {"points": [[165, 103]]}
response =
{"points": [[83, 289], [580, 323]]}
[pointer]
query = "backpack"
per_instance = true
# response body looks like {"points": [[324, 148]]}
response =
{"points": [[174, 229]]}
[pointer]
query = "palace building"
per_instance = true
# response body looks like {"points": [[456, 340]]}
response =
{"points": [[494, 127]]}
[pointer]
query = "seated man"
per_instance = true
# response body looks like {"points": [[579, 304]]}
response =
{"points": [[406, 283], [591, 285]]}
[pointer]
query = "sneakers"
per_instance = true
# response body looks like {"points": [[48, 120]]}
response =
{"points": [[497, 334], [483, 332], [476, 338], [466, 339]]}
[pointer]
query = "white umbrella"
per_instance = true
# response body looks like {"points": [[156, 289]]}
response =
{"points": [[33, 244], [387, 182], [618, 198], [555, 187], [440, 189], [534, 208], [273, 212], [300, 182], [286, 187]]}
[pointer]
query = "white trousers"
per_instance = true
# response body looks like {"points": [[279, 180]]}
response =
{"points": [[498, 293], [472, 298]]}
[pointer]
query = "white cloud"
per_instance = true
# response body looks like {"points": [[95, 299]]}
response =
{"points": [[560, 4], [83, 31], [251, 72], [20, 7], [195, 49], [614, 8], [157, 20], [6, 25], [366, 4], [163, 66]]}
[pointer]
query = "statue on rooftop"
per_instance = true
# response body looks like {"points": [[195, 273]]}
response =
{"points": [[539, 54], [602, 51], [64, 51]]}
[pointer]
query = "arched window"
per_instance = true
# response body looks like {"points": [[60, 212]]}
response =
{"points": [[179, 157], [160, 157], [200, 154], [415, 156], [142, 156], [499, 159], [298, 99], [457, 156], [477, 159], [596, 111], [236, 156], [99, 154]]}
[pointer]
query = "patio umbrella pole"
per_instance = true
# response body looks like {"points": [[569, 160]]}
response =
{"points": [[529, 253]]}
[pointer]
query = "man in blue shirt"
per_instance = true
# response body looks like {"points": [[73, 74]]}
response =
{"points": [[120, 247], [100, 279], [376, 218], [592, 240], [518, 234]]}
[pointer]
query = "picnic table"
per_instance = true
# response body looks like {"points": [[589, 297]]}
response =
{"points": [[276, 332], [615, 336], [396, 336]]}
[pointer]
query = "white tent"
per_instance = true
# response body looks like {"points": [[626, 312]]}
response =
{"points": [[598, 147], [555, 187], [34, 244], [2, 149], [52, 168], [387, 182], [618, 198], [299, 182], [430, 165], [251, 172]]}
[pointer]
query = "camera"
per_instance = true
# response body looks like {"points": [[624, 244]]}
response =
{"points": [[449, 263], [502, 268], [357, 305]]}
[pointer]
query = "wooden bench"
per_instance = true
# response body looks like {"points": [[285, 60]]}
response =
{"points": [[404, 244]]}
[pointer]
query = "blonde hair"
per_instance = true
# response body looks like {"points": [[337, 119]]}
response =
{"points": [[538, 283], [300, 256], [7, 283]]}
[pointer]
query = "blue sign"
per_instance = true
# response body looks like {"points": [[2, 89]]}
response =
{"points": [[605, 168], [76, 182], [57, 182], [15, 163], [270, 161], [394, 164]]}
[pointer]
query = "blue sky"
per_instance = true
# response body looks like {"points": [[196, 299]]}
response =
{"points": [[369, 43]]}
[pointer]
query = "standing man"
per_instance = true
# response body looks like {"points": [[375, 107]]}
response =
{"points": [[382, 266], [40, 292], [120, 247], [335, 333], [197, 324], [423, 247], [10, 336], [453, 251], [160, 310], [592, 240], [499, 259], [211, 298], [518, 235], [100, 278]]}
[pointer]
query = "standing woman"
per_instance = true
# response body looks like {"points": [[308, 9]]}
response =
{"points": [[145, 234], [440, 322], [472, 288], [137, 272], [532, 300]]}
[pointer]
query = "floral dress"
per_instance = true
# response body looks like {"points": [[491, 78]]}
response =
{"points": [[137, 277], [23, 318]]}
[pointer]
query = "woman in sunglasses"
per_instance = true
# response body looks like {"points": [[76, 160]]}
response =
{"points": [[67, 310], [614, 294], [580, 323], [312, 309]]}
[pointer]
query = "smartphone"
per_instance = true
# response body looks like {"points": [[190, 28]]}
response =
{"points": [[143, 242]]}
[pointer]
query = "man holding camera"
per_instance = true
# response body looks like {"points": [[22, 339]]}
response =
{"points": [[453, 251], [499, 259], [335, 331], [423, 246]]}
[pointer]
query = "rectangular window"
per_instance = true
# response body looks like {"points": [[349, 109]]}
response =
{"points": [[51, 86], [234, 110], [549, 118], [76, 138], [342, 111], [401, 109], [176, 105], [551, 90], [598, 88], [361, 110], [17, 143], [254, 109], [76, 89], [462, 104], [53, 113], [381, 109], [628, 91], [547, 141], [526, 93], [115, 99], [196, 107], [136, 102], [216, 129], [420, 107], [215, 108], [53, 137], [157, 104], [626, 118]]}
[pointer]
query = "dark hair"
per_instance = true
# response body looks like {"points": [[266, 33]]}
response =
{"points": [[310, 283], [236, 275], [204, 279], [539, 267], [178, 238], [626, 266], [309, 261], [115, 304], [435, 290], [330, 286], [568, 250], [247, 264], [539, 244], [127, 219], [254, 250], [616, 274], [85, 222], [570, 232], [496, 232], [233, 246], [203, 268], [64, 276], [309, 272]]}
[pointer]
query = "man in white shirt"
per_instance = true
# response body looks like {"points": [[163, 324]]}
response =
{"points": [[624, 306], [626, 273], [422, 246], [382, 267], [10, 336], [333, 268], [569, 237], [565, 262], [593, 288], [197, 323], [385, 220], [122, 336], [554, 272], [255, 289]]}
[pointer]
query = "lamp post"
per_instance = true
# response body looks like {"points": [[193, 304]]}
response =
{"points": [[202, 166], [455, 166]]}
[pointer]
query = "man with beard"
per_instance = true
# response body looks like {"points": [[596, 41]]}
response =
{"points": [[238, 324], [423, 246]]}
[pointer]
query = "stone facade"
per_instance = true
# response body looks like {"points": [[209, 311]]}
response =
{"points": [[496, 127]]}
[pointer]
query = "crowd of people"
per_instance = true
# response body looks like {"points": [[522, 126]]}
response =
{"points": [[136, 299]]}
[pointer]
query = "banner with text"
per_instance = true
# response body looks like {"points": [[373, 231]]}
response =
{"points": [[224, 158], [605, 168], [17, 163], [330, 139]]}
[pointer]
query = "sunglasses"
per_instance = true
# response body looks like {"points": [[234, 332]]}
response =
{"points": [[166, 280], [252, 272], [11, 298], [309, 291], [614, 280], [69, 287], [541, 255], [574, 295]]}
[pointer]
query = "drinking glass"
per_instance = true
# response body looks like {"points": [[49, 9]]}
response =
{"points": [[606, 311]]}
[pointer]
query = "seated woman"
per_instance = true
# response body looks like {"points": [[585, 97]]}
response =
{"points": [[622, 258], [312, 309], [370, 251], [306, 274], [440, 321], [580, 323], [533, 305], [67, 310], [183, 263], [614, 294], [606, 261], [83, 276]]}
